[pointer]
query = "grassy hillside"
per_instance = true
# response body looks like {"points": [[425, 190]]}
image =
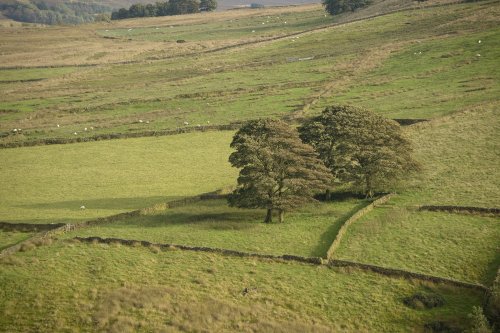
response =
{"points": [[133, 76], [50, 183], [307, 232], [127, 289], [400, 65]]}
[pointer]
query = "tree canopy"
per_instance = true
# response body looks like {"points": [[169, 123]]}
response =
{"points": [[334, 7], [166, 8], [278, 171], [360, 147]]}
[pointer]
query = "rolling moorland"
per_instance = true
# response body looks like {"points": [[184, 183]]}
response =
{"points": [[108, 94]]}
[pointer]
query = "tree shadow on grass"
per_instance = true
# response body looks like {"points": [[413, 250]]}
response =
{"points": [[329, 235], [207, 220]]}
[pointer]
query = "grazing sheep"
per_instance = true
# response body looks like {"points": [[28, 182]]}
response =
{"points": [[14, 130], [85, 129], [140, 120], [82, 207], [186, 123], [75, 133], [57, 125], [479, 41]]}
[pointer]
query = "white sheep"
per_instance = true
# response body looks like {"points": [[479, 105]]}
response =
{"points": [[75, 133], [82, 207], [58, 126], [186, 123], [85, 129]]}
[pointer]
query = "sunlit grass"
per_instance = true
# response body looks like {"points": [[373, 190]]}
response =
{"points": [[118, 288], [306, 232], [50, 183]]}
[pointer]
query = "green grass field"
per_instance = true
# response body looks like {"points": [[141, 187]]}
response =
{"points": [[307, 232], [400, 65], [424, 63], [459, 157], [48, 184], [455, 246], [10, 238], [124, 289]]}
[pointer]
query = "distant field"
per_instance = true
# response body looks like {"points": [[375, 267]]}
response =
{"points": [[117, 288], [456, 246], [50, 183], [400, 65], [307, 232]]}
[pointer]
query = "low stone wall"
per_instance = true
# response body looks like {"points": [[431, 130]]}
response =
{"points": [[360, 213], [390, 272], [462, 209], [27, 227], [233, 253], [406, 274], [114, 136]]}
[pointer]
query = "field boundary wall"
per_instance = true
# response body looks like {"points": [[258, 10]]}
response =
{"points": [[50, 230], [462, 209], [356, 216], [390, 272]]}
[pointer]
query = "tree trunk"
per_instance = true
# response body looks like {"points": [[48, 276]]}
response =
{"points": [[369, 190], [328, 195], [269, 216], [281, 216]]}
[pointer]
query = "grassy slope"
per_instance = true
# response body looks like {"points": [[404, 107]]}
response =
{"points": [[50, 183], [308, 232], [9, 238], [369, 63], [449, 245], [459, 159], [127, 289], [459, 156]]}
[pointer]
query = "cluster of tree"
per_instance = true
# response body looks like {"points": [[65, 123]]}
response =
{"points": [[334, 7], [45, 12], [171, 7], [282, 168]]}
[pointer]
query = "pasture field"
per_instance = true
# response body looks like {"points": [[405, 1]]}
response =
{"points": [[308, 232], [130, 77], [459, 157], [449, 245], [418, 64], [125, 289], [46, 184]]}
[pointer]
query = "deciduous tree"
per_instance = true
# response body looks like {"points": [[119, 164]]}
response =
{"points": [[278, 171], [360, 147]]}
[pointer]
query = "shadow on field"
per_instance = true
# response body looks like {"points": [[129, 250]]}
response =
{"points": [[205, 220], [104, 203], [329, 235]]}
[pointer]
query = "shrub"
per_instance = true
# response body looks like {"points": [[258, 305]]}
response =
{"points": [[424, 301]]}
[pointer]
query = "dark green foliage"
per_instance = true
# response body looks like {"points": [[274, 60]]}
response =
{"points": [[424, 301], [493, 305], [208, 5], [172, 7], [360, 147], [441, 327], [52, 13], [334, 7], [478, 321], [278, 171]]}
